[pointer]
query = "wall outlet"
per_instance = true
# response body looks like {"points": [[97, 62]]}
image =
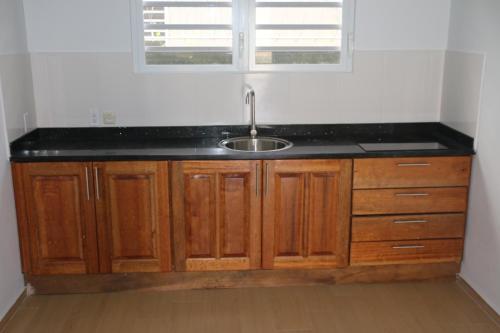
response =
{"points": [[94, 117], [108, 118]]}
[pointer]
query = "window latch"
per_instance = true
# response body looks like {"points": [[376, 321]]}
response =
{"points": [[241, 44]]}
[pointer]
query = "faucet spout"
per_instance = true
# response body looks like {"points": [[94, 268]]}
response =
{"points": [[250, 100]]}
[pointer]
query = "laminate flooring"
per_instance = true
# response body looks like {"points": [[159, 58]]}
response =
{"points": [[392, 307]]}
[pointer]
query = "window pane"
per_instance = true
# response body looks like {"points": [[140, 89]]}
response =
{"points": [[182, 32], [298, 32], [302, 58], [189, 38], [186, 58], [298, 38], [266, 15]]}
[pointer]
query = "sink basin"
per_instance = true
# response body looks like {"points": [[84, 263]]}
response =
{"points": [[257, 145]]}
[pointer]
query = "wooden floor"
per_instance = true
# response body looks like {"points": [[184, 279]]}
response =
{"points": [[399, 307]]}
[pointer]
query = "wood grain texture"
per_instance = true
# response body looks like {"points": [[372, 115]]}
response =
{"points": [[406, 252], [60, 218], [22, 216], [411, 172], [401, 227], [410, 201], [217, 215], [64, 284], [133, 216], [306, 213]]}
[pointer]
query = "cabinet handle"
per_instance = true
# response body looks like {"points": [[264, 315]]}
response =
{"points": [[413, 165], [410, 221], [266, 176], [404, 247], [96, 170], [257, 179], [87, 183], [412, 194]]}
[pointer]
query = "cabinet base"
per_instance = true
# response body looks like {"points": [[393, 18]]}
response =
{"points": [[68, 284]]}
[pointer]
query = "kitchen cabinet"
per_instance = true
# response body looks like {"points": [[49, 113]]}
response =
{"points": [[409, 210], [306, 213], [58, 231], [155, 216], [217, 215], [132, 209], [82, 218]]}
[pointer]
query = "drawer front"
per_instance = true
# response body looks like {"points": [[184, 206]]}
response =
{"points": [[397, 227], [410, 201], [406, 252], [411, 172]]}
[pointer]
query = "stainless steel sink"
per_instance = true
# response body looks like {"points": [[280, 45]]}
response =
{"points": [[258, 144]]}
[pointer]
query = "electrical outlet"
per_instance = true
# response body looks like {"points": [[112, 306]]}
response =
{"points": [[94, 117], [108, 118]]}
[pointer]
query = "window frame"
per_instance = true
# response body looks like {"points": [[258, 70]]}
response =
{"points": [[243, 22]]}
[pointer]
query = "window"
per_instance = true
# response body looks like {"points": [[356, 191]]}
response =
{"points": [[243, 35]]}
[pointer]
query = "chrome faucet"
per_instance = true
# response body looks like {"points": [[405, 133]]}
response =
{"points": [[250, 100]]}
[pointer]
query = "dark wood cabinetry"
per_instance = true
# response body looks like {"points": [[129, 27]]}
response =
{"points": [[306, 213], [409, 210], [217, 215], [58, 231], [158, 216], [78, 218], [133, 216]]}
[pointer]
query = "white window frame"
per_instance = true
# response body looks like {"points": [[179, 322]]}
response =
{"points": [[243, 50]]}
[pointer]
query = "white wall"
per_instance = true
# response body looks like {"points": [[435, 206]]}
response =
{"points": [[463, 77], [15, 69], [12, 78], [397, 72], [475, 28]]}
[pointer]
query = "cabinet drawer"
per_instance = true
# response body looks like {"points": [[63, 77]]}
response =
{"points": [[411, 172], [406, 252], [410, 201], [387, 228]]}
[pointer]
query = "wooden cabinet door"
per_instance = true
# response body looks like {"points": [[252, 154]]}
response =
{"points": [[133, 216], [306, 213], [58, 230], [217, 215]]}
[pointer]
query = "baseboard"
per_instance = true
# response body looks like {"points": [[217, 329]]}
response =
{"points": [[70, 284], [8, 316], [490, 312]]}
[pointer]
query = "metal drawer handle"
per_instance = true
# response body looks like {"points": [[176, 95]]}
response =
{"points": [[97, 190], [410, 221], [412, 194], [87, 182], [405, 247], [257, 179], [266, 178], [413, 165]]}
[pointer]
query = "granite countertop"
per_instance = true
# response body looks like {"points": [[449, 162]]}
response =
{"points": [[201, 142]]}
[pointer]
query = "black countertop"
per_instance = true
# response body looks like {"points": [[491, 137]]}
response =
{"points": [[190, 143]]}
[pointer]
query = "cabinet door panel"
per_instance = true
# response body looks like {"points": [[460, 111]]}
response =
{"points": [[323, 207], [290, 193], [200, 216], [61, 219], [132, 208], [306, 213], [234, 215], [216, 215]]}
